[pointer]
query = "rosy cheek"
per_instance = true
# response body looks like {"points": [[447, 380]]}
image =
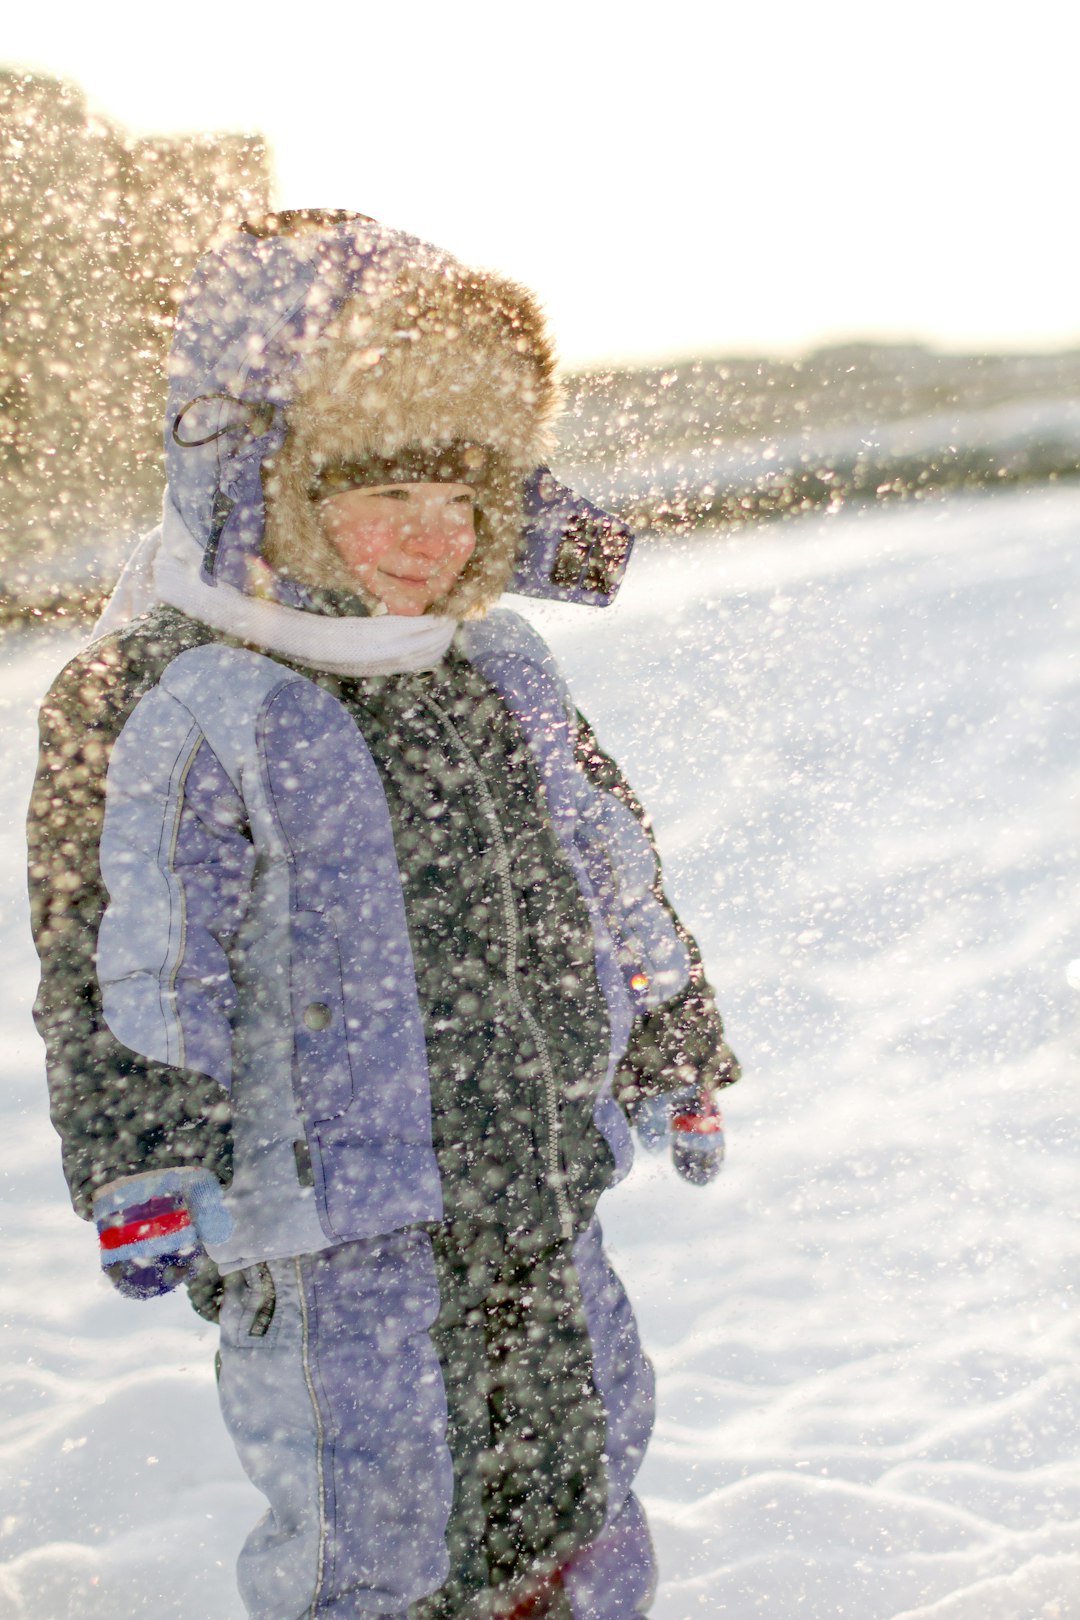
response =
{"points": [[361, 545]]}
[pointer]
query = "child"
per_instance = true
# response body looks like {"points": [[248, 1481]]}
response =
{"points": [[353, 942]]}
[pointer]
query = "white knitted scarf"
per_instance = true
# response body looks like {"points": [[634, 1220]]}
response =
{"points": [[166, 566]]}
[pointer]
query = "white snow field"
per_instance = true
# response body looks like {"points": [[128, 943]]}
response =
{"points": [[860, 739]]}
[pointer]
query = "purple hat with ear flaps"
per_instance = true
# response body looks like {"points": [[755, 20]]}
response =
{"points": [[253, 306]]}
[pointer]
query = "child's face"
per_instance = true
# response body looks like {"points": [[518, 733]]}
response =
{"points": [[405, 543]]}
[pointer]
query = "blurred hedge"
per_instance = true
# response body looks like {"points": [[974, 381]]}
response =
{"points": [[99, 231]]}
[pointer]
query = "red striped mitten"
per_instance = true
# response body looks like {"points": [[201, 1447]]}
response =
{"points": [[690, 1120], [697, 1134], [153, 1228]]}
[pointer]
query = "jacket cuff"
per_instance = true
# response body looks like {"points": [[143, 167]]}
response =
{"points": [[160, 1119], [681, 1043]]}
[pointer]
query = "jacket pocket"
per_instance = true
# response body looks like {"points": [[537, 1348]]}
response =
{"points": [[249, 1310], [365, 1189], [323, 1075]]}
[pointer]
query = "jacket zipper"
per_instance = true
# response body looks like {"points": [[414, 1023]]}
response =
{"points": [[320, 1438], [502, 866], [181, 897]]}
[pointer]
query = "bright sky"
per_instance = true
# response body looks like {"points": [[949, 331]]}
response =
{"points": [[690, 177]]}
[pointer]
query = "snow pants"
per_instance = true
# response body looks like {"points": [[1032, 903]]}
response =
{"points": [[445, 1428]]}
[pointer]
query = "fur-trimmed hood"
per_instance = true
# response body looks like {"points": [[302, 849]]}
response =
{"points": [[441, 356], [310, 339]]}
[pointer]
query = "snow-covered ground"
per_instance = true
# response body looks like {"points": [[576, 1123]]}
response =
{"points": [[860, 739]]}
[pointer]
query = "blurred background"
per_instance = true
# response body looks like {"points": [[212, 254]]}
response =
{"points": [[793, 257]]}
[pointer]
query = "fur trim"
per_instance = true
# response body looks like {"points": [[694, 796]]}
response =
{"points": [[442, 355]]}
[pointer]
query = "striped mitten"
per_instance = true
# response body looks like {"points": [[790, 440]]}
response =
{"points": [[153, 1228], [690, 1120]]}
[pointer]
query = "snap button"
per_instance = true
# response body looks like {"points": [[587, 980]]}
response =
{"points": [[317, 1015]]}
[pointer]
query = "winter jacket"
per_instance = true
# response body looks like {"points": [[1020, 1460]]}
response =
{"points": [[284, 917]]}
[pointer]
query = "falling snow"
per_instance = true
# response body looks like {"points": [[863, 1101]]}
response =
{"points": [[857, 737]]}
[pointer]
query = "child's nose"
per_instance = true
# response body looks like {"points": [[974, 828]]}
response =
{"points": [[428, 533]]}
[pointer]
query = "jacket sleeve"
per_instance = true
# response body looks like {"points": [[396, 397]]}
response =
{"points": [[120, 1106], [681, 1040]]}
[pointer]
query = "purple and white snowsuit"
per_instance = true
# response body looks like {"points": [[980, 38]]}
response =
{"points": [[379, 946]]}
